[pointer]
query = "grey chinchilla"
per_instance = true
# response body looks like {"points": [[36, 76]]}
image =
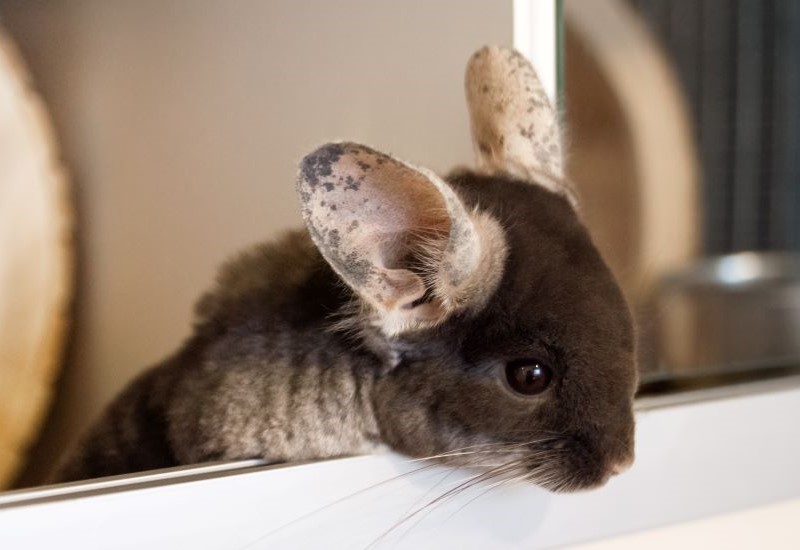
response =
{"points": [[467, 317]]}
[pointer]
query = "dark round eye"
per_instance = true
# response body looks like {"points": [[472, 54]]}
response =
{"points": [[528, 377]]}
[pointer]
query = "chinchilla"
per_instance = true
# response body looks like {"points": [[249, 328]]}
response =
{"points": [[467, 317]]}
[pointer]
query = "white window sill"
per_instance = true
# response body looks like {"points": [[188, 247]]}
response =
{"points": [[693, 460]]}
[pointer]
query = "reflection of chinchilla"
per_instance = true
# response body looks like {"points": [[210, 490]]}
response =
{"points": [[468, 317]]}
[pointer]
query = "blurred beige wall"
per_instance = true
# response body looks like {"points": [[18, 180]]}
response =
{"points": [[182, 123]]}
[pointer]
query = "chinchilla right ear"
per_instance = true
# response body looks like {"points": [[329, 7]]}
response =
{"points": [[515, 128], [398, 236]]}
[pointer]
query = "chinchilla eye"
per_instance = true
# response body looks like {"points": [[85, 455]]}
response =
{"points": [[528, 376]]}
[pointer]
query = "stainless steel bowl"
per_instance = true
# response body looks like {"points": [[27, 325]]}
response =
{"points": [[741, 310]]}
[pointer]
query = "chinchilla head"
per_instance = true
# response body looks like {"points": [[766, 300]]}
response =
{"points": [[510, 345]]}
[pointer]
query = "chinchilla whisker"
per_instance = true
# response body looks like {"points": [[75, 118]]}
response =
{"points": [[463, 486], [335, 503], [509, 468], [430, 490], [419, 519], [447, 455], [455, 452], [475, 462], [462, 453], [480, 445], [478, 463], [483, 448], [516, 478], [549, 478]]}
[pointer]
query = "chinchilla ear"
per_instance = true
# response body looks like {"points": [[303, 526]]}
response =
{"points": [[514, 126], [398, 235]]}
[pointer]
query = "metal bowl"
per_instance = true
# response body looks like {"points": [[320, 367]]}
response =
{"points": [[736, 311]]}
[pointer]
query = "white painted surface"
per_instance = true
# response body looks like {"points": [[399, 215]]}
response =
{"points": [[693, 460], [773, 526]]}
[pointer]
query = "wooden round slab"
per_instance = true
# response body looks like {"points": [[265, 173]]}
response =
{"points": [[36, 259]]}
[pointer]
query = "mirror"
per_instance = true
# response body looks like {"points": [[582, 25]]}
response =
{"points": [[182, 127]]}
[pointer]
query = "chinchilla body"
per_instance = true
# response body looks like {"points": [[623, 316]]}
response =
{"points": [[467, 317], [262, 376]]}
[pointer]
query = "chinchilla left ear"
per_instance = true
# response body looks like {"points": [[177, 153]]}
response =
{"points": [[514, 125], [398, 235]]}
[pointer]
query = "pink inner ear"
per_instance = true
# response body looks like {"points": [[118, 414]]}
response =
{"points": [[387, 195], [371, 215], [398, 235]]}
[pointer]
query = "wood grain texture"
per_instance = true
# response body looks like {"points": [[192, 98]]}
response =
{"points": [[36, 260]]}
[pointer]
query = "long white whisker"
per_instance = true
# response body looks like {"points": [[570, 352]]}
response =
{"points": [[484, 448], [334, 503], [445, 497], [516, 478]]}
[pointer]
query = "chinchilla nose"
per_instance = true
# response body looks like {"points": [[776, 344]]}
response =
{"points": [[620, 466]]}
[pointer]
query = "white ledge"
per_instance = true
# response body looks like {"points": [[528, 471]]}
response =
{"points": [[693, 460]]}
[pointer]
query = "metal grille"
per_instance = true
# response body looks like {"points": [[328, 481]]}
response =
{"points": [[739, 63]]}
